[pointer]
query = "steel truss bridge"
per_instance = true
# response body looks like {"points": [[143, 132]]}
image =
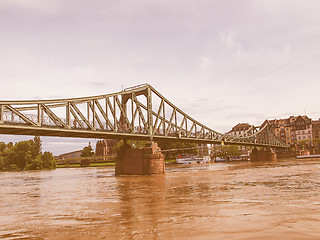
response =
{"points": [[138, 113]]}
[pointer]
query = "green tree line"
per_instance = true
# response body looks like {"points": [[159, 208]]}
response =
{"points": [[25, 155]]}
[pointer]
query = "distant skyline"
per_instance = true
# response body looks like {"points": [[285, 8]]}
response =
{"points": [[222, 62]]}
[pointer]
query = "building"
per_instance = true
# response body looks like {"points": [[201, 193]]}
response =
{"points": [[105, 147], [316, 129], [303, 128], [239, 129], [101, 148], [293, 129]]}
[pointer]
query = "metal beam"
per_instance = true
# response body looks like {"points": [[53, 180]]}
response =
{"points": [[123, 112], [19, 114], [158, 116], [76, 119], [138, 105], [190, 132], [39, 115], [95, 116], [68, 115], [149, 113], [182, 122], [93, 108], [81, 115], [133, 113], [54, 117], [113, 111], [104, 114]]}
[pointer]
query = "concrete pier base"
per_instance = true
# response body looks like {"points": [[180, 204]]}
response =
{"points": [[263, 155], [142, 161]]}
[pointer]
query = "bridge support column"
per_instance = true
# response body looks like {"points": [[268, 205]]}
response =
{"points": [[263, 155], [142, 161]]}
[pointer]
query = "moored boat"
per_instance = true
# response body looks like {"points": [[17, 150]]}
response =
{"points": [[189, 159], [308, 156]]}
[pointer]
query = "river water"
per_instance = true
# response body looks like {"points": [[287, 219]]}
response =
{"points": [[262, 200]]}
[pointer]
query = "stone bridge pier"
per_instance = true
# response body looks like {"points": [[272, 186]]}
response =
{"points": [[263, 154], [140, 161]]}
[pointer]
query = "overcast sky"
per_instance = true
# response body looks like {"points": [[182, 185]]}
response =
{"points": [[222, 62]]}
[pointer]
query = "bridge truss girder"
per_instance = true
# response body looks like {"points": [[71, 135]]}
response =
{"points": [[134, 113]]}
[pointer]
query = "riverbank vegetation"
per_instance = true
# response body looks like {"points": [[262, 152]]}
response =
{"points": [[25, 155], [224, 151]]}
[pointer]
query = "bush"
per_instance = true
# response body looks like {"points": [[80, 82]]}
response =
{"points": [[2, 163], [85, 162], [20, 154], [35, 164], [48, 161], [87, 152]]}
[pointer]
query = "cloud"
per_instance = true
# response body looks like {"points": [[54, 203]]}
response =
{"points": [[271, 77], [97, 84], [228, 38], [36, 98], [246, 117], [206, 105], [205, 62], [40, 6], [216, 60]]}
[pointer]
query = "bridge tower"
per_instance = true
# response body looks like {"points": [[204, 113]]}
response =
{"points": [[144, 161]]}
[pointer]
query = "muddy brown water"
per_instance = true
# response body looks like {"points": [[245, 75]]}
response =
{"points": [[275, 200]]}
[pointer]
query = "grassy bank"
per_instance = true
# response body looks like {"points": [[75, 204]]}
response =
{"points": [[105, 164], [77, 165]]}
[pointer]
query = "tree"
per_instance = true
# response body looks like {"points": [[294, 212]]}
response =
{"points": [[48, 160], [138, 143], [2, 163], [25, 155], [87, 151], [182, 147], [20, 154], [3, 147], [316, 144], [233, 150], [227, 151], [36, 147], [10, 145], [35, 163], [42, 161], [131, 144]]}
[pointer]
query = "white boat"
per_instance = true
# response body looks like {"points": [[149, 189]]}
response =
{"points": [[189, 159], [243, 157], [204, 159], [308, 156], [219, 159]]}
